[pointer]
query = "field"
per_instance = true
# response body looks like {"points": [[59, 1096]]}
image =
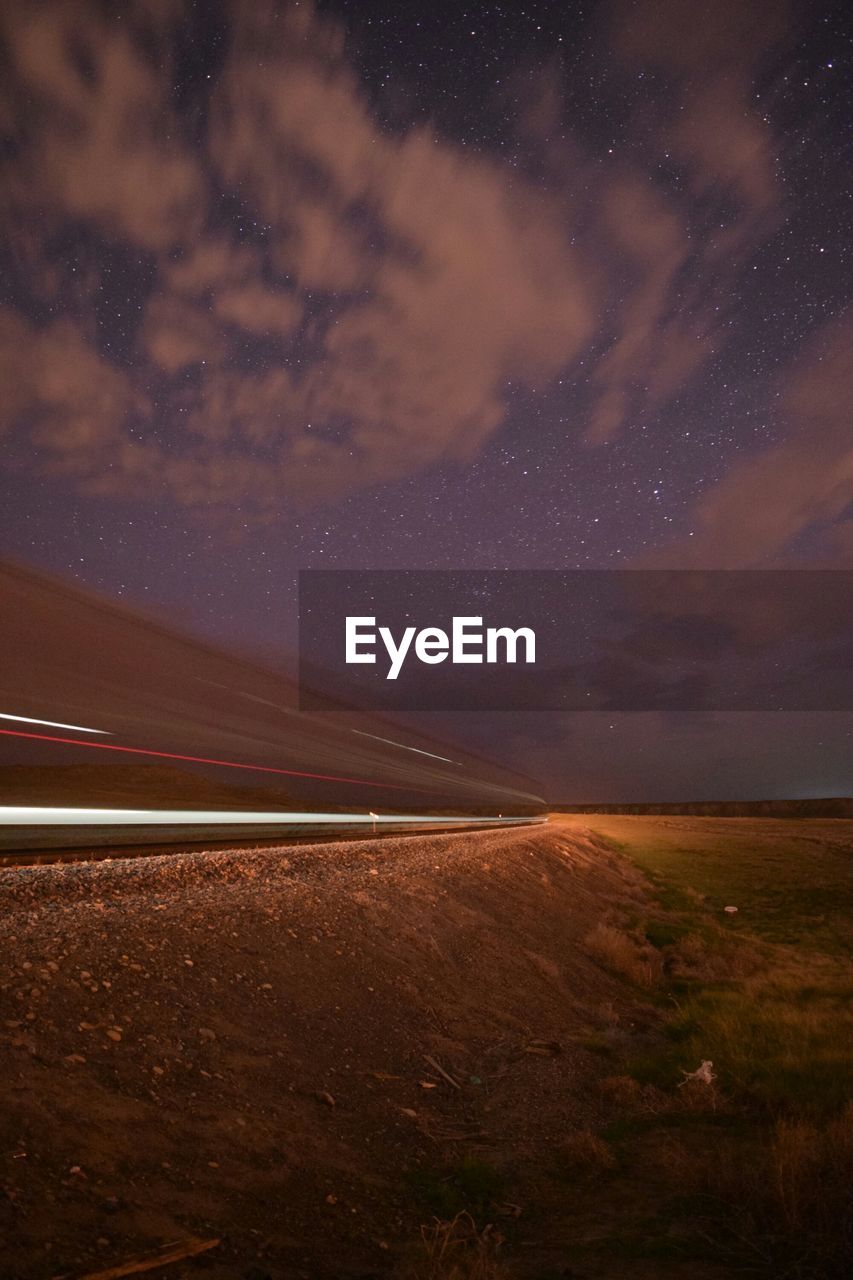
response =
{"points": [[449, 1057], [754, 1169]]}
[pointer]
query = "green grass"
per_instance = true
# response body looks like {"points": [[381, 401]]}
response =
{"points": [[765, 1159], [472, 1186], [792, 881], [779, 1037], [767, 1051], [664, 933]]}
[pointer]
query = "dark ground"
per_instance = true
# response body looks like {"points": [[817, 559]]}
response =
{"points": [[235, 1044]]}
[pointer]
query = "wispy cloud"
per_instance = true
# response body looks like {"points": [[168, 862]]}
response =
{"points": [[398, 283]]}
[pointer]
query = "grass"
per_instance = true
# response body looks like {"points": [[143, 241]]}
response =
{"points": [[458, 1250], [666, 1175], [461, 1241], [620, 953], [771, 1051], [752, 1171], [791, 880], [471, 1187], [584, 1155], [664, 933]]}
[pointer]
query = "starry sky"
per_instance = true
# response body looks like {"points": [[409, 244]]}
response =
{"points": [[409, 285]]}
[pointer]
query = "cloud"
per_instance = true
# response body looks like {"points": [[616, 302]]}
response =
{"points": [[466, 280], [693, 38], [768, 502], [728, 146], [177, 334], [424, 279], [229, 279], [75, 401], [93, 128], [652, 353], [325, 304], [684, 252], [264, 410], [209, 263], [257, 309]]}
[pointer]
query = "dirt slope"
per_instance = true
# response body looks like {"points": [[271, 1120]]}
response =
{"points": [[236, 1045]]}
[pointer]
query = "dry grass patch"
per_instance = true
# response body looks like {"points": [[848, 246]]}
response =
{"points": [[786, 1209], [584, 1154], [620, 953], [712, 956], [458, 1250], [630, 1097]]}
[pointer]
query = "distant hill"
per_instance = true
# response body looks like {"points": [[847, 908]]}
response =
{"points": [[830, 807]]}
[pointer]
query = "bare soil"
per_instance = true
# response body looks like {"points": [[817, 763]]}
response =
{"points": [[251, 1046]]}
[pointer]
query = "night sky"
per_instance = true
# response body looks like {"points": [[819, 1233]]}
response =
{"points": [[375, 285]]}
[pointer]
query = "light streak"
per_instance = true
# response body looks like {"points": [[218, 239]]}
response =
{"points": [[53, 724], [226, 764], [32, 815], [417, 750]]}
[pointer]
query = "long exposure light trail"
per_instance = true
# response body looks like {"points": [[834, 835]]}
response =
{"points": [[402, 745], [52, 724], [29, 815], [226, 764]]}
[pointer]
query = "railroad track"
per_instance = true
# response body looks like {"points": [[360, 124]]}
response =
{"points": [[32, 844]]}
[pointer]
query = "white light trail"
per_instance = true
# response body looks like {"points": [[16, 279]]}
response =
{"points": [[54, 724], [403, 746], [36, 816]]}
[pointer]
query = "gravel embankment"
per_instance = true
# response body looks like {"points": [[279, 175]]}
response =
{"points": [[235, 1044]]}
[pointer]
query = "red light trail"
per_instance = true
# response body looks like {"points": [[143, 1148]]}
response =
{"points": [[226, 764]]}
